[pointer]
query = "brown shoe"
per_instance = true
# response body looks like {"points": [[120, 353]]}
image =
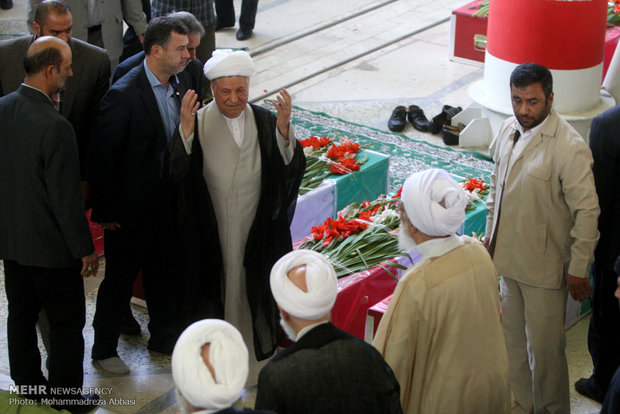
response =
{"points": [[450, 134]]}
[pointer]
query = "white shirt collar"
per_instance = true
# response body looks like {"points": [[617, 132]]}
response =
{"points": [[236, 127], [438, 247]]}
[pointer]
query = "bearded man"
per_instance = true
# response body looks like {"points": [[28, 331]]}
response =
{"points": [[441, 333], [542, 222], [249, 166]]}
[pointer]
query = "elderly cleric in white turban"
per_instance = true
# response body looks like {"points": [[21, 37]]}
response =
{"points": [[228, 357], [421, 196], [226, 62], [321, 282]]}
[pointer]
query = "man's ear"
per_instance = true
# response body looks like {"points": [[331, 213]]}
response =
{"points": [[50, 70], [36, 28]]}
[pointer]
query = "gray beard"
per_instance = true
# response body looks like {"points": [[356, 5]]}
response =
{"points": [[406, 244], [288, 330], [183, 403]]}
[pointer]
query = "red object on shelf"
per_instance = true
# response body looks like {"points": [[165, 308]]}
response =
{"points": [[357, 293], [375, 313], [464, 26]]}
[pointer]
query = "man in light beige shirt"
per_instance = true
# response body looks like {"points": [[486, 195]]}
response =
{"points": [[541, 232]]}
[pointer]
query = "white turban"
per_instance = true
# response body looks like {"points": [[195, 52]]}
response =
{"points": [[225, 62], [227, 354], [321, 281], [421, 195]]}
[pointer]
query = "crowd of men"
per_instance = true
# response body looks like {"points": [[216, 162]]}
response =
{"points": [[207, 194]]}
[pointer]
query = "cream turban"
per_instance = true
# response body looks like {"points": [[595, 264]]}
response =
{"points": [[421, 195], [321, 281], [225, 62], [227, 354]]}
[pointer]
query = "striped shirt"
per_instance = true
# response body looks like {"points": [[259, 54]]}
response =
{"points": [[203, 10]]}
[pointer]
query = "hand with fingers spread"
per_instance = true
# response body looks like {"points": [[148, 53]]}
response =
{"points": [[189, 106], [284, 107]]}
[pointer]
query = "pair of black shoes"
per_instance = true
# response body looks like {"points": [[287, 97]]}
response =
{"points": [[242, 33], [418, 119]]}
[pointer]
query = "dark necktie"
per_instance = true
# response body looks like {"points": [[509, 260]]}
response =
{"points": [[515, 139]]}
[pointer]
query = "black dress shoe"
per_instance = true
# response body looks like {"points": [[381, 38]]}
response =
{"points": [[244, 34], [397, 121], [129, 325], [587, 387], [416, 116], [444, 117], [6, 4]]}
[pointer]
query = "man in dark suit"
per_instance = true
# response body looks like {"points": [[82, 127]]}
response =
{"points": [[193, 70], [79, 101], [326, 370], [44, 234], [132, 198], [192, 75], [604, 330]]}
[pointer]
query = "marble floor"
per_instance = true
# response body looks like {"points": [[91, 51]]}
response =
{"points": [[352, 59]]}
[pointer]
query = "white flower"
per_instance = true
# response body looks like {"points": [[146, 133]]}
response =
{"points": [[386, 216]]}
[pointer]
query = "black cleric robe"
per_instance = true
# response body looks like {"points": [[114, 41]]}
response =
{"points": [[268, 238]]}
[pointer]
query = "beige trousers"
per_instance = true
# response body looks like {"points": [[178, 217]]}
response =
{"points": [[533, 324]]}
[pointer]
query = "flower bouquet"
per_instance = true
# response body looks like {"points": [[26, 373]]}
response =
{"points": [[476, 191], [324, 157], [364, 235]]}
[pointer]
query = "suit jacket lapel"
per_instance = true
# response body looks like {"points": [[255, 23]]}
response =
{"points": [[150, 103]]}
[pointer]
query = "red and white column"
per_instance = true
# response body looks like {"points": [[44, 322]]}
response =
{"points": [[567, 36]]}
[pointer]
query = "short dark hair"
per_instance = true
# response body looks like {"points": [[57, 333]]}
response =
{"points": [[530, 73], [158, 32], [192, 23], [42, 59], [48, 7]]}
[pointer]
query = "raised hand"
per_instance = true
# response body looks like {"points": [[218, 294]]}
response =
{"points": [[189, 106], [283, 106]]}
